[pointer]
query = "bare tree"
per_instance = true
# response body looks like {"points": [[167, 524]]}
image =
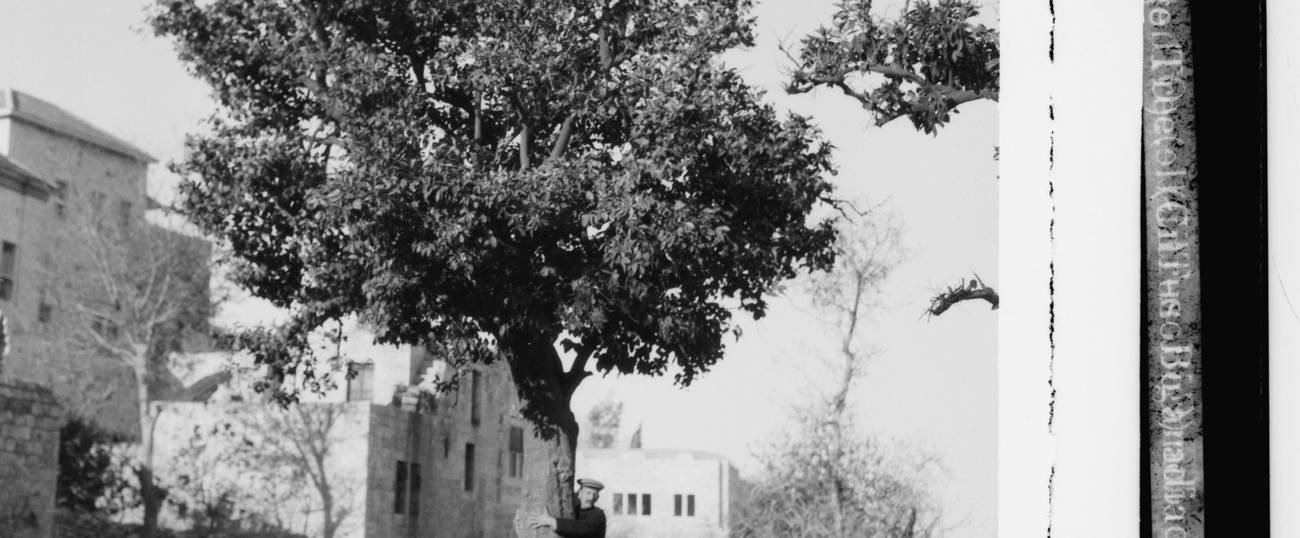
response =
{"points": [[300, 439], [826, 479], [138, 292]]}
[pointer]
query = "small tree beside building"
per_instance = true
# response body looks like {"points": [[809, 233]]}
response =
{"points": [[143, 290]]}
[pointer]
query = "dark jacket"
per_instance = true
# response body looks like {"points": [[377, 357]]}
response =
{"points": [[589, 524]]}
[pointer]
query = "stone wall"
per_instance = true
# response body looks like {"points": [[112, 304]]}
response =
{"points": [[448, 507], [377, 451], [29, 459]]}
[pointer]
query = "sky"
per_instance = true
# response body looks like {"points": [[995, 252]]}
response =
{"points": [[931, 389]]}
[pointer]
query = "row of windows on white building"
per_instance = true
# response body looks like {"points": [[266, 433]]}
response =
{"points": [[407, 485], [640, 503]]}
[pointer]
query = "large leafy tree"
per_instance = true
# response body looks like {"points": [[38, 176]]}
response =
{"points": [[564, 186]]}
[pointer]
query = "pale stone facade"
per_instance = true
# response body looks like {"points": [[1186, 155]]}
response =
{"points": [[691, 494]]}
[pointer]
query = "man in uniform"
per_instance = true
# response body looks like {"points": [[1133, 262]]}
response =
{"points": [[590, 522]]}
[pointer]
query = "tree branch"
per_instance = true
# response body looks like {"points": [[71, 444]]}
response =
{"points": [[524, 130], [804, 82], [562, 139], [606, 59], [578, 370], [975, 289]]}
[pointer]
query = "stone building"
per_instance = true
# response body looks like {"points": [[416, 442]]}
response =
{"points": [[654, 493], [57, 173], [24, 199], [445, 465]]}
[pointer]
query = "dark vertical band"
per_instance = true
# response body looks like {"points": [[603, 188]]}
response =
{"points": [[1230, 122]]}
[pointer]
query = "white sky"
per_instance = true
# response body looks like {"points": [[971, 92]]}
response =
{"points": [[932, 387]]}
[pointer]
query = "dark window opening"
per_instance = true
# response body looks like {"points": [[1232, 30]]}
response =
{"points": [[97, 200], [124, 214], [645, 504], [399, 489], [8, 268], [415, 489], [104, 328], [631, 504], [677, 504], [618, 503], [690, 505], [475, 387], [516, 451], [469, 466], [60, 200], [44, 311]]}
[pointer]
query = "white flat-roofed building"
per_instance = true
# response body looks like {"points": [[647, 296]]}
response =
{"points": [[660, 493]]}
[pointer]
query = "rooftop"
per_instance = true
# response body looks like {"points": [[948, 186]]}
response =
{"points": [[651, 453], [24, 107]]}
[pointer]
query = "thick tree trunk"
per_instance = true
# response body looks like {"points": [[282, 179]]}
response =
{"points": [[549, 456], [548, 482], [151, 495]]}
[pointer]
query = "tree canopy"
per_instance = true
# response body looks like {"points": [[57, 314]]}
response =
{"points": [[499, 177]]}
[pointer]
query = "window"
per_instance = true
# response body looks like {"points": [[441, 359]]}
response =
{"points": [[43, 309], [97, 203], [406, 489], [399, 489], [104, 327], [469, 466], [631, 504], [677, 504], [690, 505], [361, 382], [645, 504], [60, 200], [475, 387], [415, 489], [124, 214], [446, 446], [516, 451], [618, 503], [8, 268]]}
